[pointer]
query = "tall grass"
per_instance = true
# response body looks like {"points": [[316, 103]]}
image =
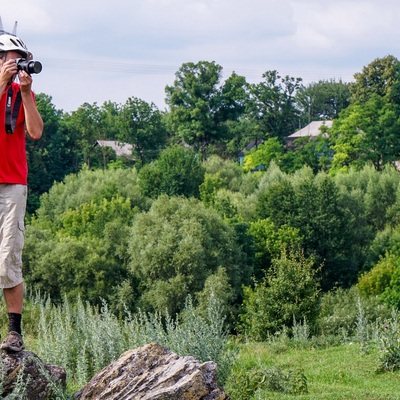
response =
{"points": [[341, 359], [83, 339]]}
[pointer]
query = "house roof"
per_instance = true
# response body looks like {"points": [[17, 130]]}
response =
{"points": [[311, 130], [252, 144], [120, 148]]}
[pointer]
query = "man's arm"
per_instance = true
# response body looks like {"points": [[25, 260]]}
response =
{"points": [[33, 120]]}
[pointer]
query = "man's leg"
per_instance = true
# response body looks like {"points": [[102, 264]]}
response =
{"points": [[14, 299], [12, 206]]}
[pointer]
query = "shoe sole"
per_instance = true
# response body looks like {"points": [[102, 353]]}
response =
{"points": [[11, 348]]}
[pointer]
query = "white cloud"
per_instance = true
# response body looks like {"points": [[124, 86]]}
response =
{"points": [[111, 50]]}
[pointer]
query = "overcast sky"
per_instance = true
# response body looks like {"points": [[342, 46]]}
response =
{"points": [[95, 51]]}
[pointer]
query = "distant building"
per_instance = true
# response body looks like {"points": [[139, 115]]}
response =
{"points": [[312, 130], [120, 148]]}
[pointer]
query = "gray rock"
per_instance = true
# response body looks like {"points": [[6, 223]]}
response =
{"points": [[39, 377], [154, 372]]}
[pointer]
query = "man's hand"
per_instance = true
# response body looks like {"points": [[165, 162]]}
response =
{"points": [[8, 71], [25, 81]]}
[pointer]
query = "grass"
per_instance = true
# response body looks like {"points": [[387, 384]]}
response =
{"points": [[334, 373], [327, 367]]}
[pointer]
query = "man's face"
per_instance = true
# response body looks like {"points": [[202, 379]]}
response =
{"points": [[9, 55]]}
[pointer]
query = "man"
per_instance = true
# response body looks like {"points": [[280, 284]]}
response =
{"points": [[18, 116]]}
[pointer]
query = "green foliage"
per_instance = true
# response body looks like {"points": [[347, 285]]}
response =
{"points": [[339, 310], [209, 188], [90, 219], [270, 242], [312, 152], [174, 248], [178, 171], [235, 206], [380, 77], [315, 206], [366, 133], [376, 281], [289, 292], [243, 385], [94, 337], [277, 202], [200, 107], [272, 104], [322, 100], [215, 286], [220, 174], [77, 266], [388, 339], [84, 126], [270, 150], [383, 280], [386, 241], [78, 243], [85, 187], [141, 124], [51, 158]]}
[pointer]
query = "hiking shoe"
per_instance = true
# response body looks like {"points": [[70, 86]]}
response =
{"points": [[13, 342]]}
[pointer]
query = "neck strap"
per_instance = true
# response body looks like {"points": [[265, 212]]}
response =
{"points": [[12, 112]]}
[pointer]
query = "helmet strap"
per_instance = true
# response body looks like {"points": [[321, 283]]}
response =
{"points": [[12, 112]]}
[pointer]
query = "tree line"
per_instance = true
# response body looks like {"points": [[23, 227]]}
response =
{"points": [[182, 217]]}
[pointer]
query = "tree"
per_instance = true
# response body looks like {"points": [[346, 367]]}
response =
{"points": [[381, 77], [326, 224], [176, 246], [383, 280], [200, 107], [77, 244], [312, 152], [322, 100], [50, 158], [84, 127], [272, 104], [141, 124], [289, 293], [85, 187], [366, 133], [270, 242], [271, 150], [178, 171]]}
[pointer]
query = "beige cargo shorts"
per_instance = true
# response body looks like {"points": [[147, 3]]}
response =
{"points": [[12, 213]]}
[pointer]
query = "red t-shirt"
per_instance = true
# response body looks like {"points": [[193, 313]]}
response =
{"points": [[13, 163]]}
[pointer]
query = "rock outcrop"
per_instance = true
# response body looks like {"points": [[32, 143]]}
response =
{"points": [[40, 378], [154, 372]]}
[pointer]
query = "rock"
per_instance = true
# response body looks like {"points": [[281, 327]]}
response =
{"points": [[156, 373], [37, 375]]}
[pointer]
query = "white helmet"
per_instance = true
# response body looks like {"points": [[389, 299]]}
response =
{"points": [[11, 42]]}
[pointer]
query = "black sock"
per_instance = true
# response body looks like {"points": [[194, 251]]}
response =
{"points": [[14, 322]]}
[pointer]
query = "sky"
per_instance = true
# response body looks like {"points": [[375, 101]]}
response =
{"points": [[98, 51]]}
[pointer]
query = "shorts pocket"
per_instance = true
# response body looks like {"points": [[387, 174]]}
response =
{"points": [[21, 226]]}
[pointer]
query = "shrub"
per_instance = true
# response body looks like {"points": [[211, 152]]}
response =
{"points": [[388, 339], [339, 310], [242, 385], [289, 292], [378, 278], [83, 339], [176, 246]]}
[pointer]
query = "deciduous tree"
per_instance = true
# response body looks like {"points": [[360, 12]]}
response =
{"points": [[200, 105]]}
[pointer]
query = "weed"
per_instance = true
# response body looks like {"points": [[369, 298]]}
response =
{"points": [[388, 339], [242, 385], [84, 340]]}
